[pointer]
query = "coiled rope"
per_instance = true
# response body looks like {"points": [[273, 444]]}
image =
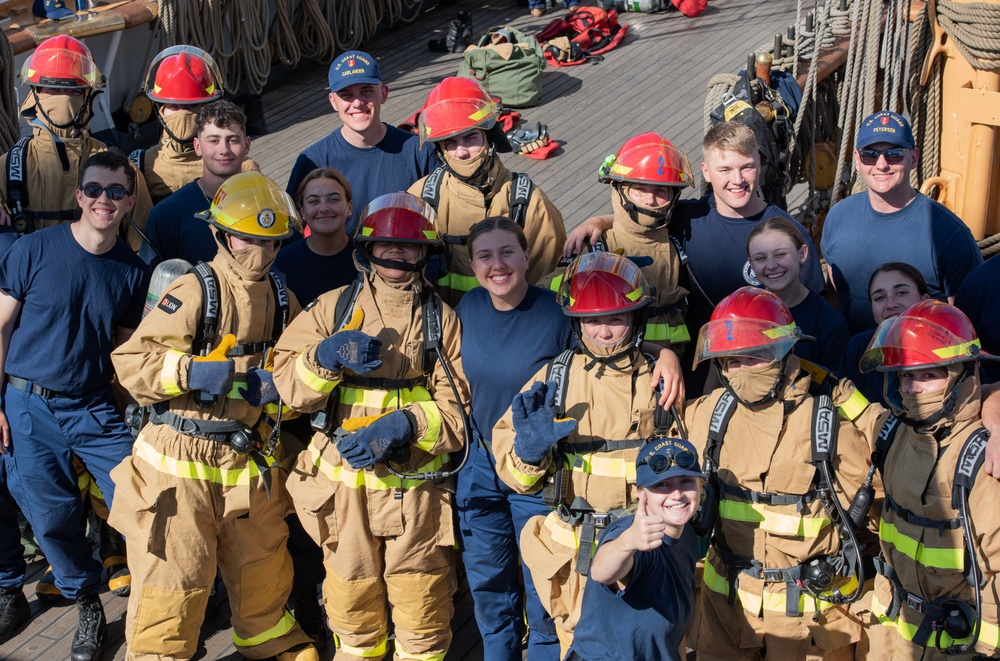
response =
{"points": [[10, 130], [284, 43], [315, 36]]}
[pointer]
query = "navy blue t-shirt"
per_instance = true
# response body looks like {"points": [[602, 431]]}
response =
{"points": [[870, 384], [394, 164], [979, 299], [647, 619], [924, 234], [174, 230], [503, 349], [308, 275], [72, 301], [820, 320]]}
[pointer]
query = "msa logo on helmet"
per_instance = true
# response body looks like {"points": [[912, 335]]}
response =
{"points": [[266, 218]]}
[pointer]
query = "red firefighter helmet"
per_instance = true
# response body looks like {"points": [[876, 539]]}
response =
{"points": [[455, 106], [183, 75], [648, 159], [61, 61], [750, 322], [398, 217], [929, 334], [601, 283]]}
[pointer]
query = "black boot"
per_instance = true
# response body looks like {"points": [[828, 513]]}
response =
{"points": [[90, 630], [309, 614], [14, 612]]}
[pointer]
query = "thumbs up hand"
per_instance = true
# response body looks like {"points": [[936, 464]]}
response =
{"points": [[647, 530]]}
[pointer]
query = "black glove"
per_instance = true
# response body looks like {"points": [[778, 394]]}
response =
{"points": [[368, 446], [260, 388]]}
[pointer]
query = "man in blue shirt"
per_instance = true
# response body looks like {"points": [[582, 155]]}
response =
{"points": [[68, 295], [892, 222], [375, 157]]}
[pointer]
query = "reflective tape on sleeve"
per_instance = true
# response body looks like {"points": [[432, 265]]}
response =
{"points": [[854, 406], [310, 378], [527, 479], [458, 282], [668, 333], [433, 433], [170, 373]]}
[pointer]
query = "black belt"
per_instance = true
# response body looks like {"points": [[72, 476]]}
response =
{"points": [[33, 388], [373, 383], [211, 430]]}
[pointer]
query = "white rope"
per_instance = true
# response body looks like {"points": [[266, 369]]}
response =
{"points": [[10, 130]]}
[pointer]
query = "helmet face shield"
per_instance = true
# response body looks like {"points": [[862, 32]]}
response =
{"points": [[252, 206], [600, 283], [910, 342], [648, 159], [400, 217], [183, 75], [61, 62], [746, 338]]}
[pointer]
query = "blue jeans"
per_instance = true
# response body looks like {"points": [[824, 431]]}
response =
{"points": [[46, 434], [491, 517]]}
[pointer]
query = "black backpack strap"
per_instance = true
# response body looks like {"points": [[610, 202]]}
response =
{"points": [[886, 436], [138, 158], [431, 192], [970, 461], [431, 307], [17, 186], [209, 308], [520, 192], [559, 372], [345, 304], [281, 308], [721, 415], [824, 431]]}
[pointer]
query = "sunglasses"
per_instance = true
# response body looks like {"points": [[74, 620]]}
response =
{"points": [[660, 463], [93, 191], [893, 156]]}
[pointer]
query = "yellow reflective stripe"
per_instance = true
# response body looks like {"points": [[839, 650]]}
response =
{"points": [[367, 479], [458, 282], [169, 373], [83, 481], [414, 656], [527, 479], [988, 633], [563, 535], [234, 392], [768, 600], [385, 400], [771, 521], [193, 470], [854, 406], [366, 652], [781, 331], [556, 281], [928, 557], [666, 332], [94, 490], [310, 378], [284, 625], [603, 466], [433, 433], [962, 349], [272, 409]]}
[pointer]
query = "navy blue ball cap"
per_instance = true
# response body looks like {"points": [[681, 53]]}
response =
{"points": [[354, 67], [885, 126], [664, 458]]}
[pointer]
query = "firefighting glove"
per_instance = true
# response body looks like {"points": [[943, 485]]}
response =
{"points": [[350, 348], [260, 389], [369, 444], [214, 373], [436, 267], [536, 428]]}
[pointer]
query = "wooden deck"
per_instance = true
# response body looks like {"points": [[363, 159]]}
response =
{"points": [[655, 81]]}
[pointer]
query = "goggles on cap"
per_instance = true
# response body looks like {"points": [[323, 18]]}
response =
{"points": [[661, 463], [893, 155]]}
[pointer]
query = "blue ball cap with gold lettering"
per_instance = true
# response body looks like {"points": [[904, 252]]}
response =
{"points": [[354, 67], [885, 126], [664, 458]]}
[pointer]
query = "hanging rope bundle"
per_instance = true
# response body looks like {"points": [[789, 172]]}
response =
{"points": [[10, 130], [315, 37], [284, 43], [975, 28]]}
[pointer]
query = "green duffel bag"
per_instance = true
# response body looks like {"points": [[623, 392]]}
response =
{"points": [[508, 63]]}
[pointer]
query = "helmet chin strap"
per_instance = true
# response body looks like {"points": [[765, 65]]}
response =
{"points": [[660, 218], [78, 121], [779, 384], [483, 167], [173, 136], [392, 263]]}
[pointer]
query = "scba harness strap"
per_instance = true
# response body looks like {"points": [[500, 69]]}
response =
{"points": [[823, 449], [17, 192], [520, 193], [580, 512], [953, 616], [324, 420]]}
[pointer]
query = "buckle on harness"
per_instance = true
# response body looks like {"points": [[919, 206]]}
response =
{"points": [[915, 602], [602, 520], [773, 575]]}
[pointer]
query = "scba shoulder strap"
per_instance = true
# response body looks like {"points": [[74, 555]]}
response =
{"points": [[521, 188]]}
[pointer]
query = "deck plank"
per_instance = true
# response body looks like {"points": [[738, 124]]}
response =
{"points": [[655, 81]]}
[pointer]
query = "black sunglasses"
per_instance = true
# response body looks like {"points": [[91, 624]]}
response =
{"points": [[93, 191], [659, 463], [893, 155]]}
